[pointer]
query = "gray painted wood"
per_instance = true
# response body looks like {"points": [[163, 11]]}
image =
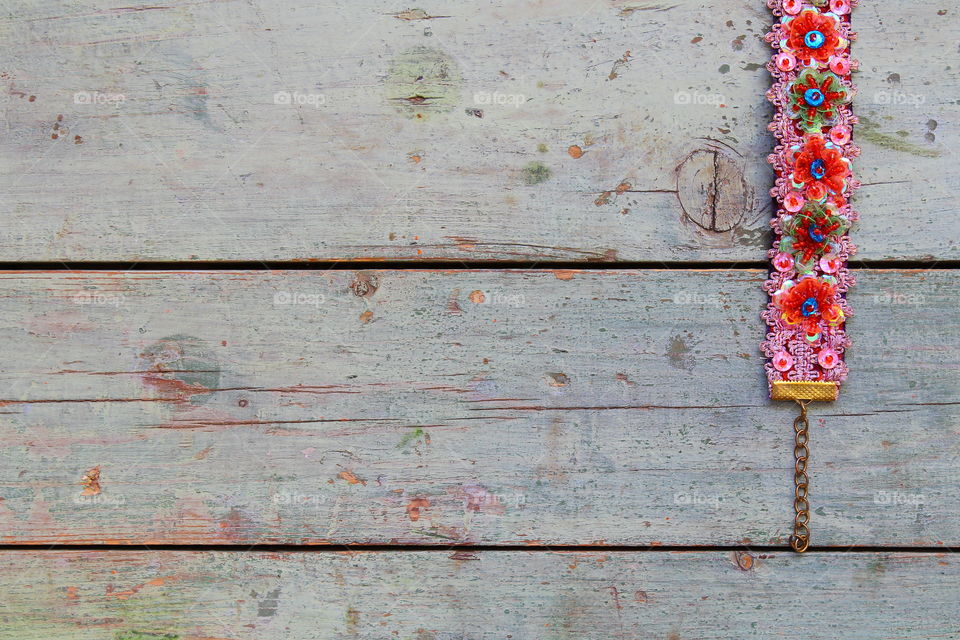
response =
{"points": [[448, 595], [513, 407], [609, 131], [908, 107]]}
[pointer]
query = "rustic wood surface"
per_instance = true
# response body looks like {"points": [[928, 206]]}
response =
{"points": [[446, 595], [556, 129], [461, 408], [507, 407]]}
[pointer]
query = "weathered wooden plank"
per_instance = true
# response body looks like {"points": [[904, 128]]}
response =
{"points": [[909, 113], [611, 131], [448, 595], [481, 406]]}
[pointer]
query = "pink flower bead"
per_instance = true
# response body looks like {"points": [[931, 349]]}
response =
{"points": [[793, 7], [828, 358], [830, 265], [840, 7], [783, 261], [793, 202], [840, 135], [782, 361], [786, 62], [840, 66]]}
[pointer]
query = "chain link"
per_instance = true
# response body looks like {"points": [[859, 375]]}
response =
{"points": [[800, 539]]}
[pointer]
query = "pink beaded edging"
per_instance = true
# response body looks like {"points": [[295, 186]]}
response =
{"points": [[813, 125]]}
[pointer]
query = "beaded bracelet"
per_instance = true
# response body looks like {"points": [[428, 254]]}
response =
{"points": [[813, 123]]}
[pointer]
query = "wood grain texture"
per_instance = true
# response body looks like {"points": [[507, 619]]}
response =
{"points": [[490, 130], [516, 407], [909, 116], [478, 596]]}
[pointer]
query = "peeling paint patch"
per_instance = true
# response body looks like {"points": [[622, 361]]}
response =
{"points": [[415, 506], [617, 65], [123, 595], [59, 129], [415, 14], [453, 303], [557, 379], [743, 560], [91, 482], [477, 297], [364, 285], [180, 365], [351, 478], [353, 621], [235, 526], [442, 532]]}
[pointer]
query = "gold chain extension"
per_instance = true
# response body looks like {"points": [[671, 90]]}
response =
{"points": [[800, 539]]}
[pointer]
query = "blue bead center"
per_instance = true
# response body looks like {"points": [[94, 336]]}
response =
{"points": [[809, 307], [813, 97], [814, 39], [817, 169], [816, 234]]}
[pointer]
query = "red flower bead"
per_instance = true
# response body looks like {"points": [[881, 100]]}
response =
{"points": [[809, 303], [813, 36], [819, 164], [816, 192]]}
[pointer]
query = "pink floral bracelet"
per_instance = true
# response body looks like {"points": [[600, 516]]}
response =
{"points": [[813, 123]]}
